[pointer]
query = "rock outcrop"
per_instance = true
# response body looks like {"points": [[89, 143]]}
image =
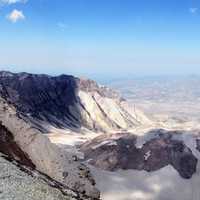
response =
{"points": [[119, 151]]}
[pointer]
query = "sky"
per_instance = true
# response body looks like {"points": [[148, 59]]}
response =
{"points": [[100, 38]]}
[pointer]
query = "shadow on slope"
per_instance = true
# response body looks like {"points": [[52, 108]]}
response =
{"points": [[43, 98]]}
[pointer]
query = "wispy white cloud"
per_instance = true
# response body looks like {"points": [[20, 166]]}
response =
{"points": [[62, 25], [15, 16], [193, 10], [12, 1]]}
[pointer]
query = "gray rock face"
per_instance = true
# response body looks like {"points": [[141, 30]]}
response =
{"points": [[121, 152]]}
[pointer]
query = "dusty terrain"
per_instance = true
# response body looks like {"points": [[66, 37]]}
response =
{"points": [[171, 102]]}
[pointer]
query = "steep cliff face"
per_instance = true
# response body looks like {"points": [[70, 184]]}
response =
{"points": [[68, 102], [42, 97]]}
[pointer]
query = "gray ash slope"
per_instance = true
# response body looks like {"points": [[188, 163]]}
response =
{"points": [[16, 184]]}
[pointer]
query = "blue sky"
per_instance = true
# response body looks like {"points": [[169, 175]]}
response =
{"points": [[102, 38]]}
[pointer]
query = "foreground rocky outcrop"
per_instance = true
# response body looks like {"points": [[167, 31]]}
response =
{"points": [[120, 151], [67, 101], [20, 141], [19, 178], [17, 184]]}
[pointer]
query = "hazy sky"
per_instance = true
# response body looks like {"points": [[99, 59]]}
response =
{"points": [[107, 38]]}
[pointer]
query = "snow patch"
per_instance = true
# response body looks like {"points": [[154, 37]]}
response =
{"points": [[147, 155], [107, 142]]}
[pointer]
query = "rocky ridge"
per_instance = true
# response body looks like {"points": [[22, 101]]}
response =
{"points": [[120, 151], [68, 102]]}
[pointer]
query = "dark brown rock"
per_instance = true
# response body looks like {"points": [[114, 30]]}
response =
{"points": [[122, 153], [10, 148], [198, 144]]}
